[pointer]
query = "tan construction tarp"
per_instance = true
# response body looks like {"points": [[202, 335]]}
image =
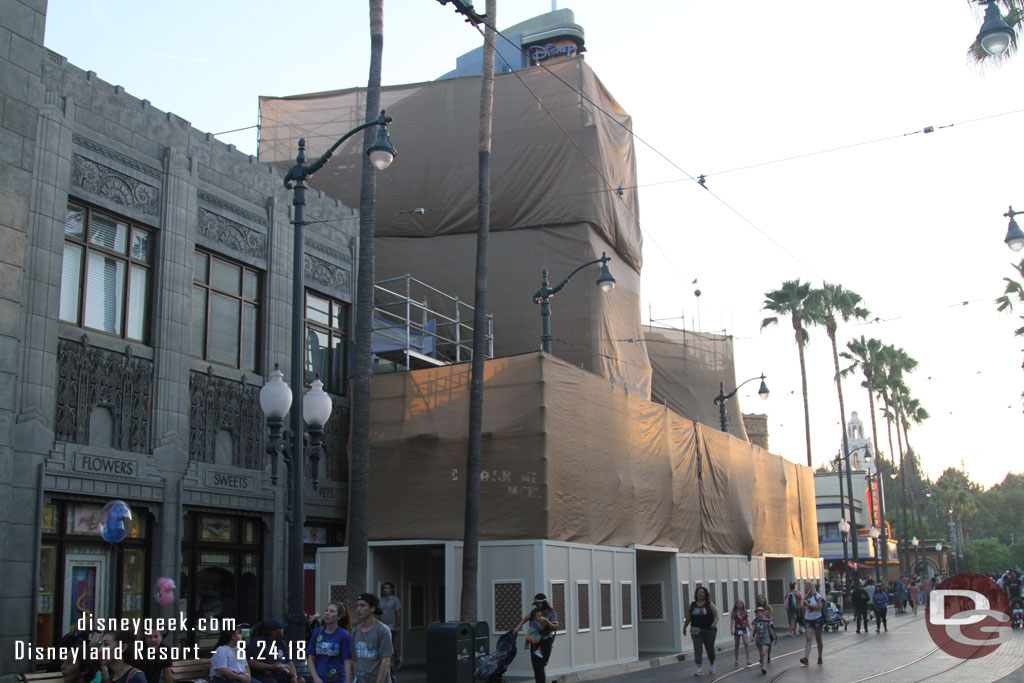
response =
{"points": [[688, 371], [555, 159], [569, 456]]}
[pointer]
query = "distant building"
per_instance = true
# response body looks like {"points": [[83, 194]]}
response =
{"points": [[757, 429]]}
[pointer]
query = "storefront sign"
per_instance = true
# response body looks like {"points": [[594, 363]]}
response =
{"points": [[106, 465], [539, 53], [325, 493], [229, 481]]}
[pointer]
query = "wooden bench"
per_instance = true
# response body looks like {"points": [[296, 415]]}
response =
{"points": [[42, 677], [185, 670]]}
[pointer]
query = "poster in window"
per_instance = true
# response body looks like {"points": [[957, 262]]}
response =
{"points": [[49, 519], [133, 571], [84, 519], [216, 529]]}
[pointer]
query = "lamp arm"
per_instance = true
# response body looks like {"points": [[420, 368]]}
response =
{"points": [[302, 171], [725, 397], [544, 292]]}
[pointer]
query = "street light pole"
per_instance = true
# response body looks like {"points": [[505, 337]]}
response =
{"points": [[723, 397], [543, 295], [381, 153], [881, 516], [875, 533], [844, 527], [1014, 237]]}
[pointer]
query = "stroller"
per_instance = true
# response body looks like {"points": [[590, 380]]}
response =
{"points": [[491, 669], [834, 618], [1017, 613]]}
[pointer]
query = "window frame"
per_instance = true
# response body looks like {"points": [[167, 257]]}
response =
{"points": [[240, 296], [601, 606], [580, 628], [87, 247], [333, 332]]}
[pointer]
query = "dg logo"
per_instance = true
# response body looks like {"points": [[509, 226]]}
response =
{"points": [[968, 616]]}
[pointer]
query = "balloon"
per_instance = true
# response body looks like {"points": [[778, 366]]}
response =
{"points": [[113, 518], [164, 591]]}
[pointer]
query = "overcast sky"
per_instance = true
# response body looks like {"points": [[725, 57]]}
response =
{"points": [[912, 221]]}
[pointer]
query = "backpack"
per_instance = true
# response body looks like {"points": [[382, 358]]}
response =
{"points": [[791, 601]]}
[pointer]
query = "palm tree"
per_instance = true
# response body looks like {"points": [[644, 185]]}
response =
{"points": [[471, 532], [793, 299], [866, 355], [1013, 14], [359, 475], [894, 391]]}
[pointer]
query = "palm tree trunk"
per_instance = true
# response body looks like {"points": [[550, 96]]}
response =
{"points": [[903, 480], [471, 532], [359, 472], [846, 444], [803, 385]]}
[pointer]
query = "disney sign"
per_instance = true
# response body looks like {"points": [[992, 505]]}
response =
{"points": [[539, 53]]}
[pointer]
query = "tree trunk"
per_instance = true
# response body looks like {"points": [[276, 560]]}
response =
{"points": [[903, 481], [846, 443], [803, 385], [359, 472], [471, 532]]}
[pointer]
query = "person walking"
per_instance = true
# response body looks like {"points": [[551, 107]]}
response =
{"points": [[793, 604], [880, 600], [540, 635], [391, 615], [764, 635], [762, 602], [915, 595], [814, 621], [740, 628], [329, 652], [703, 614], [372, 641], [861, 601]]}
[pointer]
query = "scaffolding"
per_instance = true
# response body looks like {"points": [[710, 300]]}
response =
{"points": [[416, 326]]}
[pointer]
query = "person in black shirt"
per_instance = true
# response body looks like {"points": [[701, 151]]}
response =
{"points": [[703, 614], [157, 669], [861, 600], [267, 655], [1012, 586]]}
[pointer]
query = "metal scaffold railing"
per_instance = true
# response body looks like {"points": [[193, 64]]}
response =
{"points": [[416, 325]]}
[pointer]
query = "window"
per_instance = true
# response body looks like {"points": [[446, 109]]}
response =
{"points": [[582, 606], [558, 604], [651, 602], [507, 599], [327, 343], [106, 273], [626, 588], [606, 604], [226, 294], [725, 606], [685, 588]]}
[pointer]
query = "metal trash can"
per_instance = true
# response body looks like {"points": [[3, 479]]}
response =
{"points": [[450, 652], [481, 640]]}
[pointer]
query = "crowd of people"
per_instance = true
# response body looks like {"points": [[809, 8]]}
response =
{"points": [[337, 650]]}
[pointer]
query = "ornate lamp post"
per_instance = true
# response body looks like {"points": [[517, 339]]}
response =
{"points": [[875, 533], [381, 154], [543, 295], [916, 542], [723, 397], [1014, 237]]}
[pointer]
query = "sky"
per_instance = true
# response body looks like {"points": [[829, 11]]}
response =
{"points": [[807, 120]]}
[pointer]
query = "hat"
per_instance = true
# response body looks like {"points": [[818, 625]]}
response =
{"points": [[538, 597], [274, 624], [759, 609], [373, 601]]}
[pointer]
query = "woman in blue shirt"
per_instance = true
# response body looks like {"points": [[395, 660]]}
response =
{"points": [[329, 653], [880, 601]]}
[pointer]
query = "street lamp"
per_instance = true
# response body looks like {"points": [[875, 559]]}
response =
{"points": [[995, 34], [381, 153], [543, 295], [875, 533], [916, 542], [881, 508], [723, 397], [1014, 237]]}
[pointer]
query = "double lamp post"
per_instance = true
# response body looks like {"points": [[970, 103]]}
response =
{"points": [[313, 409]]}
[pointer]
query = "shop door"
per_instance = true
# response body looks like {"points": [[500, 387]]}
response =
{"points": [[86, 584]]}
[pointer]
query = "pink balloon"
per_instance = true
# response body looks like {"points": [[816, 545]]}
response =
{"points": [[165, 591]]}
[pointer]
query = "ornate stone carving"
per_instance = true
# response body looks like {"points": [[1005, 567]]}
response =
{"points": [[232, 235], [326, 274], [216, 404], [228, 206], [116, 156], [328, 251], [88, 377], [115, 186]]}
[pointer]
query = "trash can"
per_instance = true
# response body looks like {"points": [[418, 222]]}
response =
{"points": [[450, 652], [481, 640]]}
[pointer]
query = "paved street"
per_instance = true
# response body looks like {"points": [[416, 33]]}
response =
{"points": [[906, 653]]}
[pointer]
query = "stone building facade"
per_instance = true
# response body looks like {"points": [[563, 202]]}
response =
{"points": [[145, 289]]}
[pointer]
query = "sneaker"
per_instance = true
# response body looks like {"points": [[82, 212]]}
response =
{"points": [[699, 672], [748, 662], [736, 664], [819, 660], [763, 669], [711, 669], [803, 660]]}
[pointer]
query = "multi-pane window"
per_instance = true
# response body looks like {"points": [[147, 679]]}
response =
{"points": [[106, 273], [326, 342], [225, 312]]}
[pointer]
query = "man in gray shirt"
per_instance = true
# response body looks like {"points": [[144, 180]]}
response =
{"points": [[372, 642], [391, 608]]}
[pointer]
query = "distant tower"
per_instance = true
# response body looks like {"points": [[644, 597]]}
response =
{"points": [[858, 445]]}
